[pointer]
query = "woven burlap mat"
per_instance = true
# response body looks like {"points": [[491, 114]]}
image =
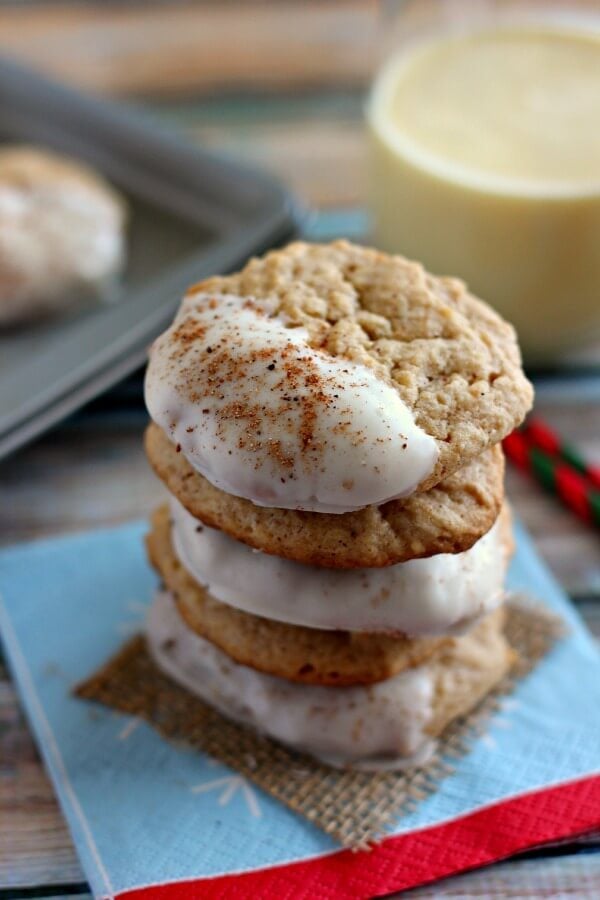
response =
{"points": [[356, 808]]}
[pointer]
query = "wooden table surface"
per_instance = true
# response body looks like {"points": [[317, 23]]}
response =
{"points": [[283, 85]]}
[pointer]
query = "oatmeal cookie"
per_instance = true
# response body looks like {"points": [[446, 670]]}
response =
{"points": [[449, 518], [293, 652], [454, 361]]}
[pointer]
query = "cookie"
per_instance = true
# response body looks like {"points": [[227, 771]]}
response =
{"points": [[389, 725], [440, 595], [62, 233], [449, 518], [466, 670], [327, 378], [306, 655]]}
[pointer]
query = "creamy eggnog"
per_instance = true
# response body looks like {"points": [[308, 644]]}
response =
{"points": [[486, 165]]}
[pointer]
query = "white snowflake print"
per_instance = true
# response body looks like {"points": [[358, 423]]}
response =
{"points": [[229, 786]]}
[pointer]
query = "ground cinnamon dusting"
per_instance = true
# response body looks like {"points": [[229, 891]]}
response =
{"points": [[210, 369]]}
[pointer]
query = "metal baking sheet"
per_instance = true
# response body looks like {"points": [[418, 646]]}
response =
{"points": [[191, 214]]}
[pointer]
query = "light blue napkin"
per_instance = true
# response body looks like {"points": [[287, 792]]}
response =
{"points": [[142, 811]]}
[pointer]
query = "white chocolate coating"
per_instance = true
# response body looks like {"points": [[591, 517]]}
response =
{"points": [[58, 241], [375, 727], [442, 594], [264, 416]]}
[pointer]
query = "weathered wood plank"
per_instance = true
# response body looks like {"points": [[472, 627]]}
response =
{"points": [[35, 845], [336, 178], [531, 879], [576, 876], [74, 891], [174, 47], [48, 488]]}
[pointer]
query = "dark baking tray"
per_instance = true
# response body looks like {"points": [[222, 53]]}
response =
{"points": [[191, 214]]}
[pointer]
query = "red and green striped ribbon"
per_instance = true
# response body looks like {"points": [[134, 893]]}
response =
{"points": [[542, 436], [556, 475]]}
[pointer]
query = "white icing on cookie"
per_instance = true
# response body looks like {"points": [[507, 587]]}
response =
{"points": [[263, 415], [381, 726], [443, 594]]}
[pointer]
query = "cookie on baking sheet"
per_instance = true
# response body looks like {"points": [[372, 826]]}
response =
{"points": [[454, 361], [306, 655], [62, 233], [449, 518]]}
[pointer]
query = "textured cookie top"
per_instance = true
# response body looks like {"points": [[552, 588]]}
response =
{"points": [[447, 519], [27, 167], [452, 360], [266, 416], [61, 232], [306, 655]]}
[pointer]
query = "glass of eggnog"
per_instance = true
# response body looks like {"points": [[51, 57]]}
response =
{"points": [[485, 164]]}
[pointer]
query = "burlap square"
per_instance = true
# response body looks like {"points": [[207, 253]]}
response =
{"points": [[356, 808]]}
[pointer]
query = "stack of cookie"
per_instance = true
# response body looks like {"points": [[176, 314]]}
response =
{"points": [[327, 423]]}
